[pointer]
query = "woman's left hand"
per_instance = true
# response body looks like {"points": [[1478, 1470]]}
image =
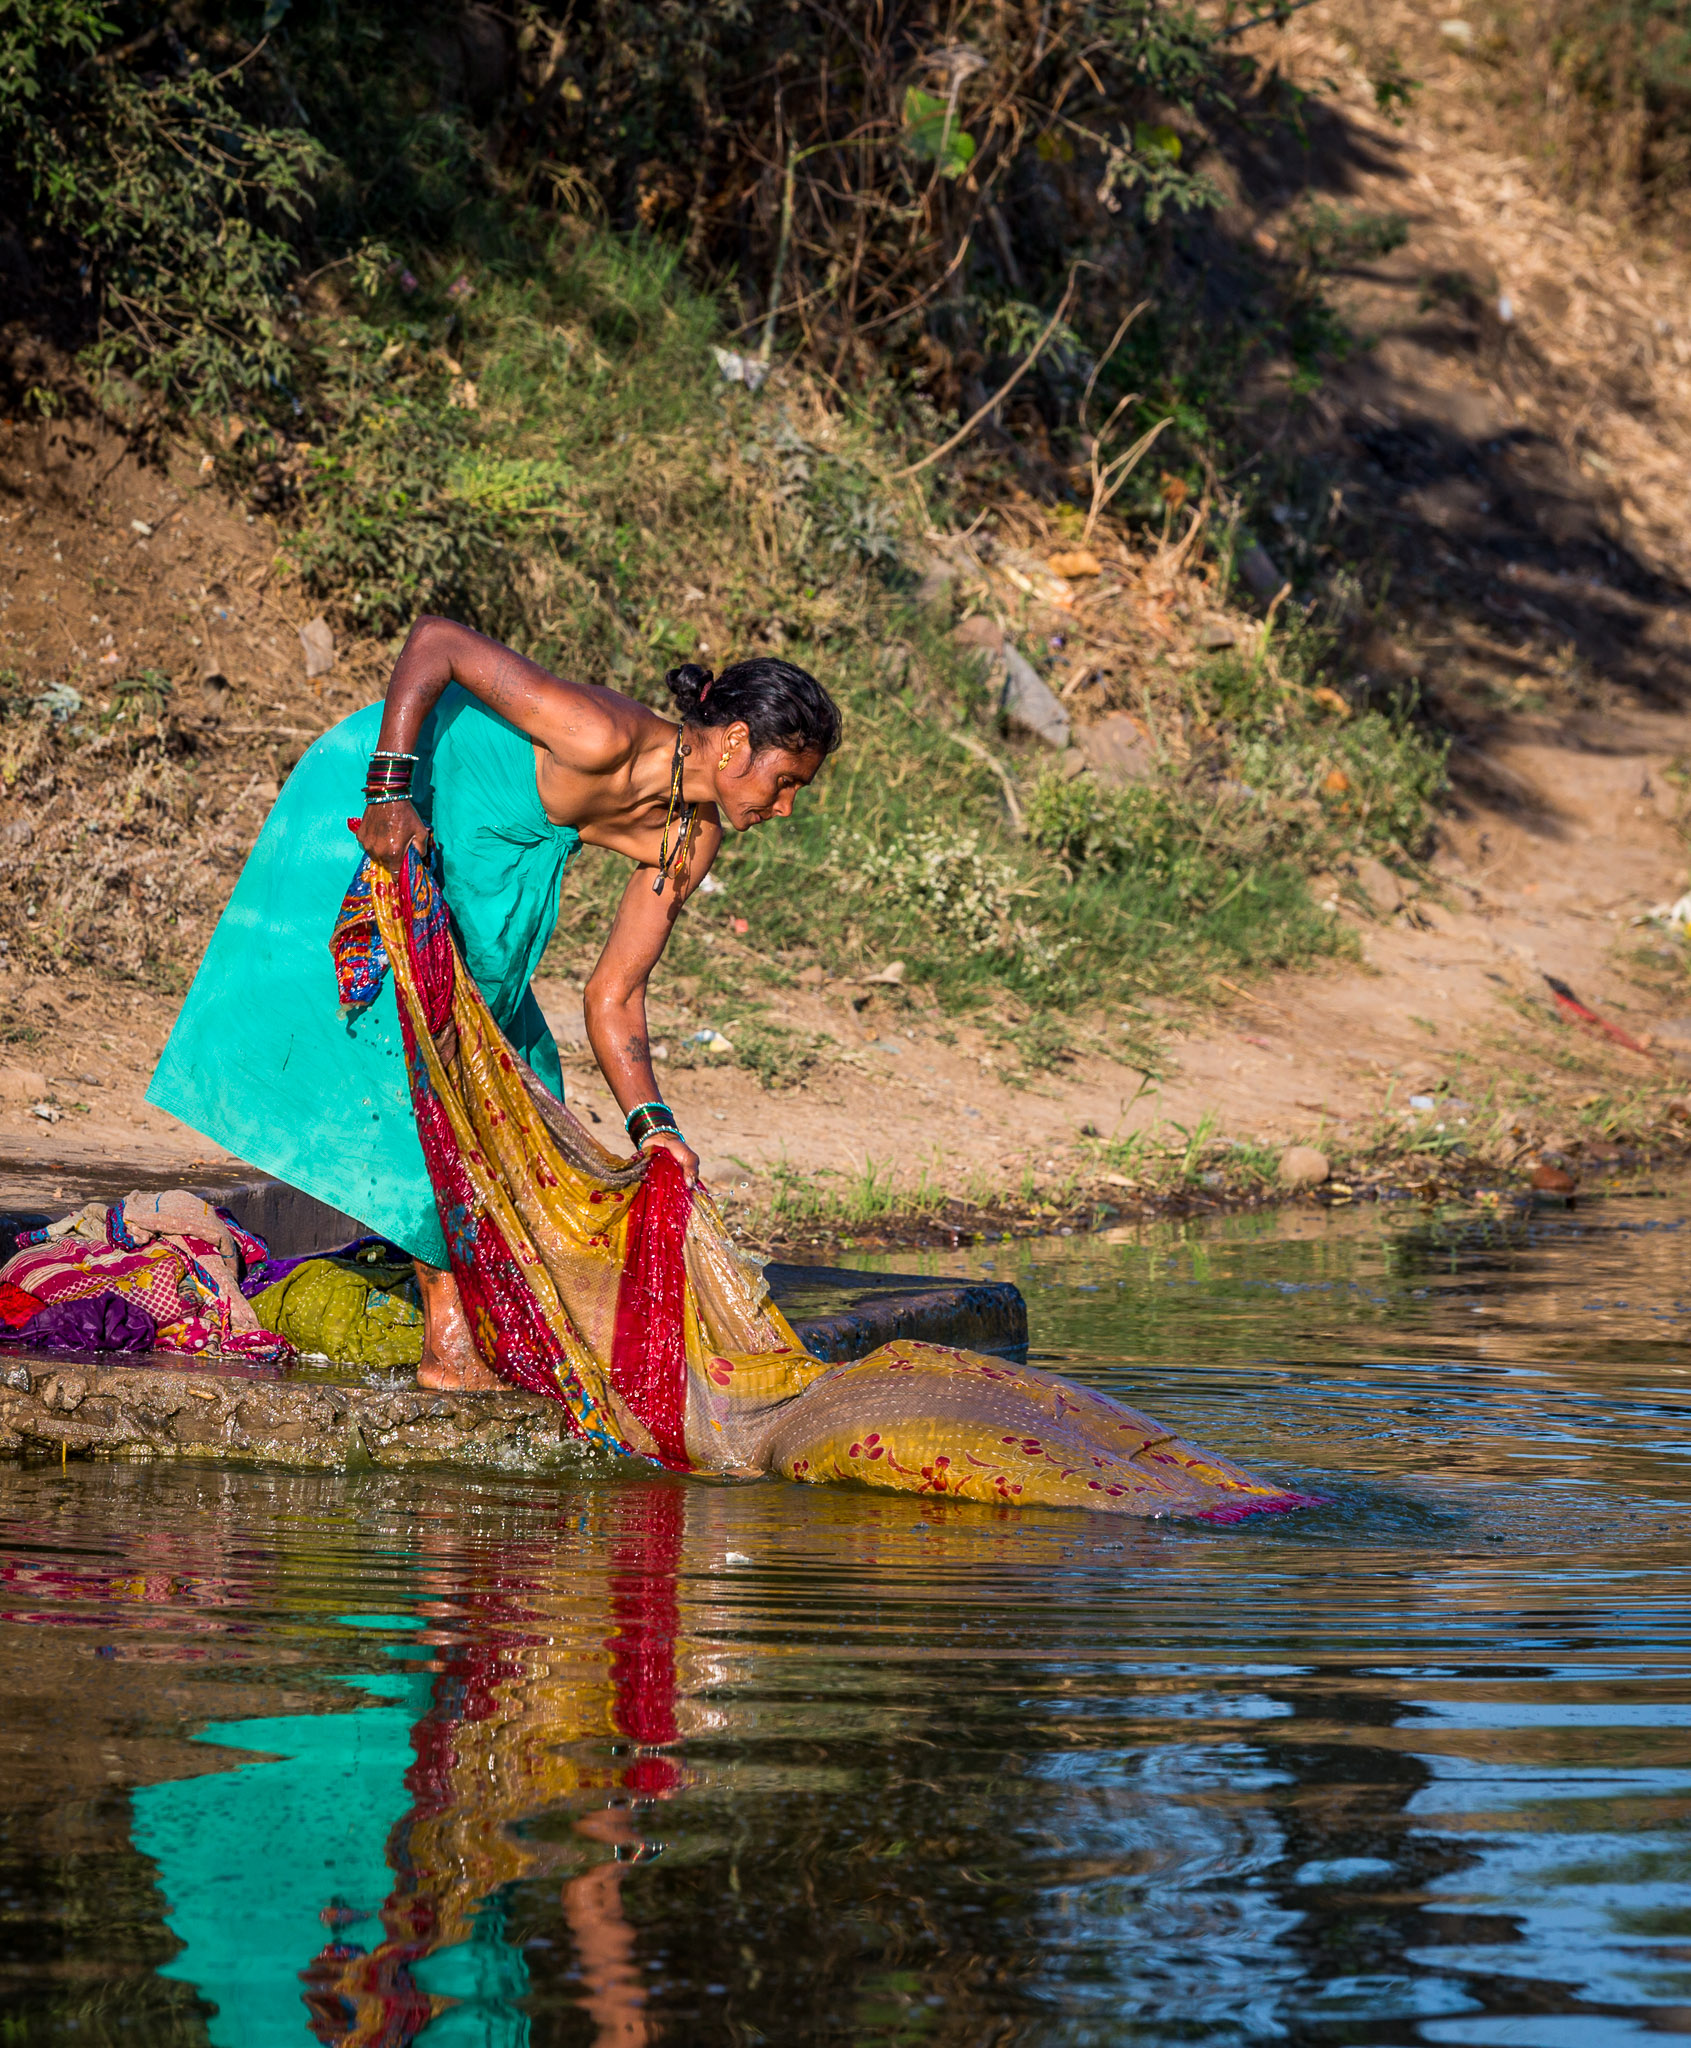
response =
{"points": [[665, 1141]]}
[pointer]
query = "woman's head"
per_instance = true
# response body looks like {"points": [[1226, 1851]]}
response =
{"points": [[773, 725]]}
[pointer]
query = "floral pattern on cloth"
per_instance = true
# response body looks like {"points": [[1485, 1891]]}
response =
{"points": [[173, 1255], [609, 1286], [361, 961]]}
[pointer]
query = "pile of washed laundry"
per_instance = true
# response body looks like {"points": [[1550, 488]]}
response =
{"points": [[171, 1273]]}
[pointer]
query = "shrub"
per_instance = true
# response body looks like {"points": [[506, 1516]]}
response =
{"points": [[175, 207], [961, 894], [399, 519], [1371, 782]]}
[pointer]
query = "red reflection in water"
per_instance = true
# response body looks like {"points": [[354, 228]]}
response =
{"points": [[359, 2000]]}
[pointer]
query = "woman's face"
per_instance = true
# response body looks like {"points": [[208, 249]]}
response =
{"points": [[754, 787]]}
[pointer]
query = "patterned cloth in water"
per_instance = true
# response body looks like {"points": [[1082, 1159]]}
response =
{"points": [[609, 1286], [172, 1255]]}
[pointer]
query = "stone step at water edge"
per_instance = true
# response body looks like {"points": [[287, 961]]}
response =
{"points": [[315, 1415]]}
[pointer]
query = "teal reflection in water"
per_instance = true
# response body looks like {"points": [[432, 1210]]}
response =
{"points": [[277, 1873]]}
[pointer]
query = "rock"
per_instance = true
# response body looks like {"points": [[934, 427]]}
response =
{"points": [[1385, 889], [1029, 703], [1074, 562], [21, 1084], [936, 581], [736, 368], [1258, 573], [979, 634], [1219, 633], [1117, 749], [1553, 1180], [319, 645], [1301, 1166]]}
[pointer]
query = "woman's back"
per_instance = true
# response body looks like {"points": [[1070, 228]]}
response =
{"points": [[261, 1059]]}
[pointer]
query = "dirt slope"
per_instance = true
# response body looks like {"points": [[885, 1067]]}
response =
{"points": [[1514, 443]]}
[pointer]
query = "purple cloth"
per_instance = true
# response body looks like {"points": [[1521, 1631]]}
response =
{"points": [[98, 1322], [258, 1278]]}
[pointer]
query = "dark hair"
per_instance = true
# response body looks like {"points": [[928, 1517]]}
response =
{"points": [[782, 705]]}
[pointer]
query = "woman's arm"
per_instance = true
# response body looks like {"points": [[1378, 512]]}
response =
{"points": [[566, 718], [615, 1001]]}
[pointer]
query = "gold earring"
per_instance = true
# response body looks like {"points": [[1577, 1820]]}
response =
{"points": [[727, 756]]}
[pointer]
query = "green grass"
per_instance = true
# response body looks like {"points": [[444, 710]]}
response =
{"points": [[536, 437], [875, 1195]]}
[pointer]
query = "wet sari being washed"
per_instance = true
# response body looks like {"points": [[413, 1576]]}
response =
{"points": [[609, 1286]]}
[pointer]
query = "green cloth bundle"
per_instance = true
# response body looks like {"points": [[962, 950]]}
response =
{"points": [[352, 1314]]}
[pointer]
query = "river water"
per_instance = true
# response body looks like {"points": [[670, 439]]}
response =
{"points": [[374, 1758]]}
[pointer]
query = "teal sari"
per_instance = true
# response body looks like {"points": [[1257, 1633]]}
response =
{"points": [[261, 1060]]}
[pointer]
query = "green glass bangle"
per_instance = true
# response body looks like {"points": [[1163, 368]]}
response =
{"points": [[649, 1122]]}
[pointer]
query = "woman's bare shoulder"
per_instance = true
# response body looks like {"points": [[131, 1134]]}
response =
{"points": [[586, 728], [591, 730]]}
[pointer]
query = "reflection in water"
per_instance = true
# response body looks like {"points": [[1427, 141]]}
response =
{"points": [[386, 1758], [257, 1862], [368, 1860]]}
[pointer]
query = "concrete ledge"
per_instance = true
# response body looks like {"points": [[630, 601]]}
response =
{"points": [[292, 1224], [57, 1407], [843, 1314]]}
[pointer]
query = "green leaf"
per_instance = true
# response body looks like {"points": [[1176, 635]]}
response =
{"points": [[931, 131]]}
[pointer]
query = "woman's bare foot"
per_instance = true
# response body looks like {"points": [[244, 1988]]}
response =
{"points": [[450, 1362]]}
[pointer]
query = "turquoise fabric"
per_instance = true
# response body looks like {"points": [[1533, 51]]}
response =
{"points": [[261, 1060]]}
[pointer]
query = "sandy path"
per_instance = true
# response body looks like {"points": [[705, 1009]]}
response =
{"points": [[1448, 988]]}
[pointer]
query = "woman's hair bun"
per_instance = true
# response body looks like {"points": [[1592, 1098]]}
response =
{"points": [[781, 705], [687, 685]]}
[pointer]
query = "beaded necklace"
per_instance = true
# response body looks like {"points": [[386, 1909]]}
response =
{"points": [[669, 857]]}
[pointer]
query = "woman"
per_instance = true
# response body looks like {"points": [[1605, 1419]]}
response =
{"points": [[504, 769]]}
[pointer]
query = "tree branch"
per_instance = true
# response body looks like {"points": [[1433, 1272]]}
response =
{"points": [[1003, 391]]}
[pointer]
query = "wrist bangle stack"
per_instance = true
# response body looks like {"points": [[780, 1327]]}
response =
{"points": [[647, 1119], [387, 780]]}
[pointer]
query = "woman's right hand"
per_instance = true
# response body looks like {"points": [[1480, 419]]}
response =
{"points": [[386, 830], [670, 1141]]}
